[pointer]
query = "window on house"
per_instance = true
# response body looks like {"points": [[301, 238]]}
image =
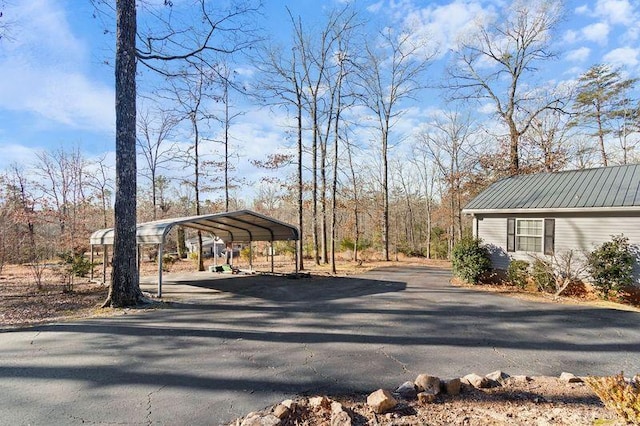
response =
{"points": [[529, 235]]}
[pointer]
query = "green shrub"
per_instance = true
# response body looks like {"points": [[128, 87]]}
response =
{"points": [[543, 276], [348, 244], [619, 396], [611, 265], [77, 264], [246, 253], [470, 259], [518, 273], [167, 261]]}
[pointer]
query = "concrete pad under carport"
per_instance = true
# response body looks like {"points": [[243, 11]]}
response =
{"points": [[251, 342], [198, 287]]}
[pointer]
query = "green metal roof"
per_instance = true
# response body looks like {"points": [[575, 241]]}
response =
{"points": [[616, 187]]}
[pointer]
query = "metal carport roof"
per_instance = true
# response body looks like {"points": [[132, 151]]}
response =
{"points": [[242, 225]]}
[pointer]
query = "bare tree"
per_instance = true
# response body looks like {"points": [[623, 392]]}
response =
{"points": [[315, 60], [282, 84], [161, 47], [427, 178], [496, 63], [154, 130], [227, 119], [191, 93], [547, 142], [390, 73], [448, 141], [102, 183]]}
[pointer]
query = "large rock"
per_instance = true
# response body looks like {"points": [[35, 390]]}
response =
{"points": [[517, 381], [381, 401], [498, 376], [407, 390], [341, 418], [336, 407], [319, 402], [426, 397], [478, 382], [281, 411], [452, 386], [289, 403], [429, 384]]}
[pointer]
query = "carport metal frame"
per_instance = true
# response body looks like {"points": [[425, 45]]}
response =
{"points": [[237, 226]]}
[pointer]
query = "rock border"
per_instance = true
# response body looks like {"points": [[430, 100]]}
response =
{"points": [[425, 388]]}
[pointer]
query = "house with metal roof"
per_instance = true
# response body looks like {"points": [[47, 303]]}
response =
{"points": [[524, 216]]}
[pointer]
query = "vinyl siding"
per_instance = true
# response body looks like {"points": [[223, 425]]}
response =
{"points": [[572, 232], [493, 233]]}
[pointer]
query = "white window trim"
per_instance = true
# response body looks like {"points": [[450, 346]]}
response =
{"points": [[541, 236]]}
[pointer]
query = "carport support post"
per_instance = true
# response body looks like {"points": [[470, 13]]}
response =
{"points": [[296, 250], [250, 256], [105, 258], [272, 254], [160, 256]]}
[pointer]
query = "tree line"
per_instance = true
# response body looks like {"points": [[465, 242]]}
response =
{"points": [[361, 171]]}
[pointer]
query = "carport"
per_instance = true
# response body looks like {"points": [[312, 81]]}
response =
{"points": [[237, 226]]}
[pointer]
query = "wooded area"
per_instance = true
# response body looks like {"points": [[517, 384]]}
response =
{"points": [[357, 176]]}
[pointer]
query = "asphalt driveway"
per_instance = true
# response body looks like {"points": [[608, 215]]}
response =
{"points": [[239, 344]]}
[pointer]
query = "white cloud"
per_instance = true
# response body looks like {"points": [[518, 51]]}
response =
{"points": [[44, 70], [487, 108], [574, 71], [623, 56], [597, 32], [582, 10], [442, 25], [375, 7], [570, 36], [18, 154], [578, 55], [615, 11]]}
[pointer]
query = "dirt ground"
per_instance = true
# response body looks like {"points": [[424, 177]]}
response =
{"points": [[541, 401], [538, 401]]}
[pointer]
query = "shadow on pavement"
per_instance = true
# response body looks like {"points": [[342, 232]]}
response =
{"points": [[285, 289]]}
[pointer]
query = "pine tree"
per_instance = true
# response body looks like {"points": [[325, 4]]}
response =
{"points": [[601, 99]]}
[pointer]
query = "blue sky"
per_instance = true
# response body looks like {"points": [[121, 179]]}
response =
{"points": [[55, 88]]}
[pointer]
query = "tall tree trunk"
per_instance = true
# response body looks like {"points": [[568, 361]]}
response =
{"points": [[300, 186], [385, 197], [323, 201], [514, 140], [153, 194], [226, 146], [429, 225], [196, 181], [334, 180], [181, 243], [125, 289], [603, 152], [314, 189], [356, 211]]}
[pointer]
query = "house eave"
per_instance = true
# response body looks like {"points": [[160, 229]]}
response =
{"points": [[631, 209]]}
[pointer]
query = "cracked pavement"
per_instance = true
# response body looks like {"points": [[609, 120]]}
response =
{"points": [[232, 345]]}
